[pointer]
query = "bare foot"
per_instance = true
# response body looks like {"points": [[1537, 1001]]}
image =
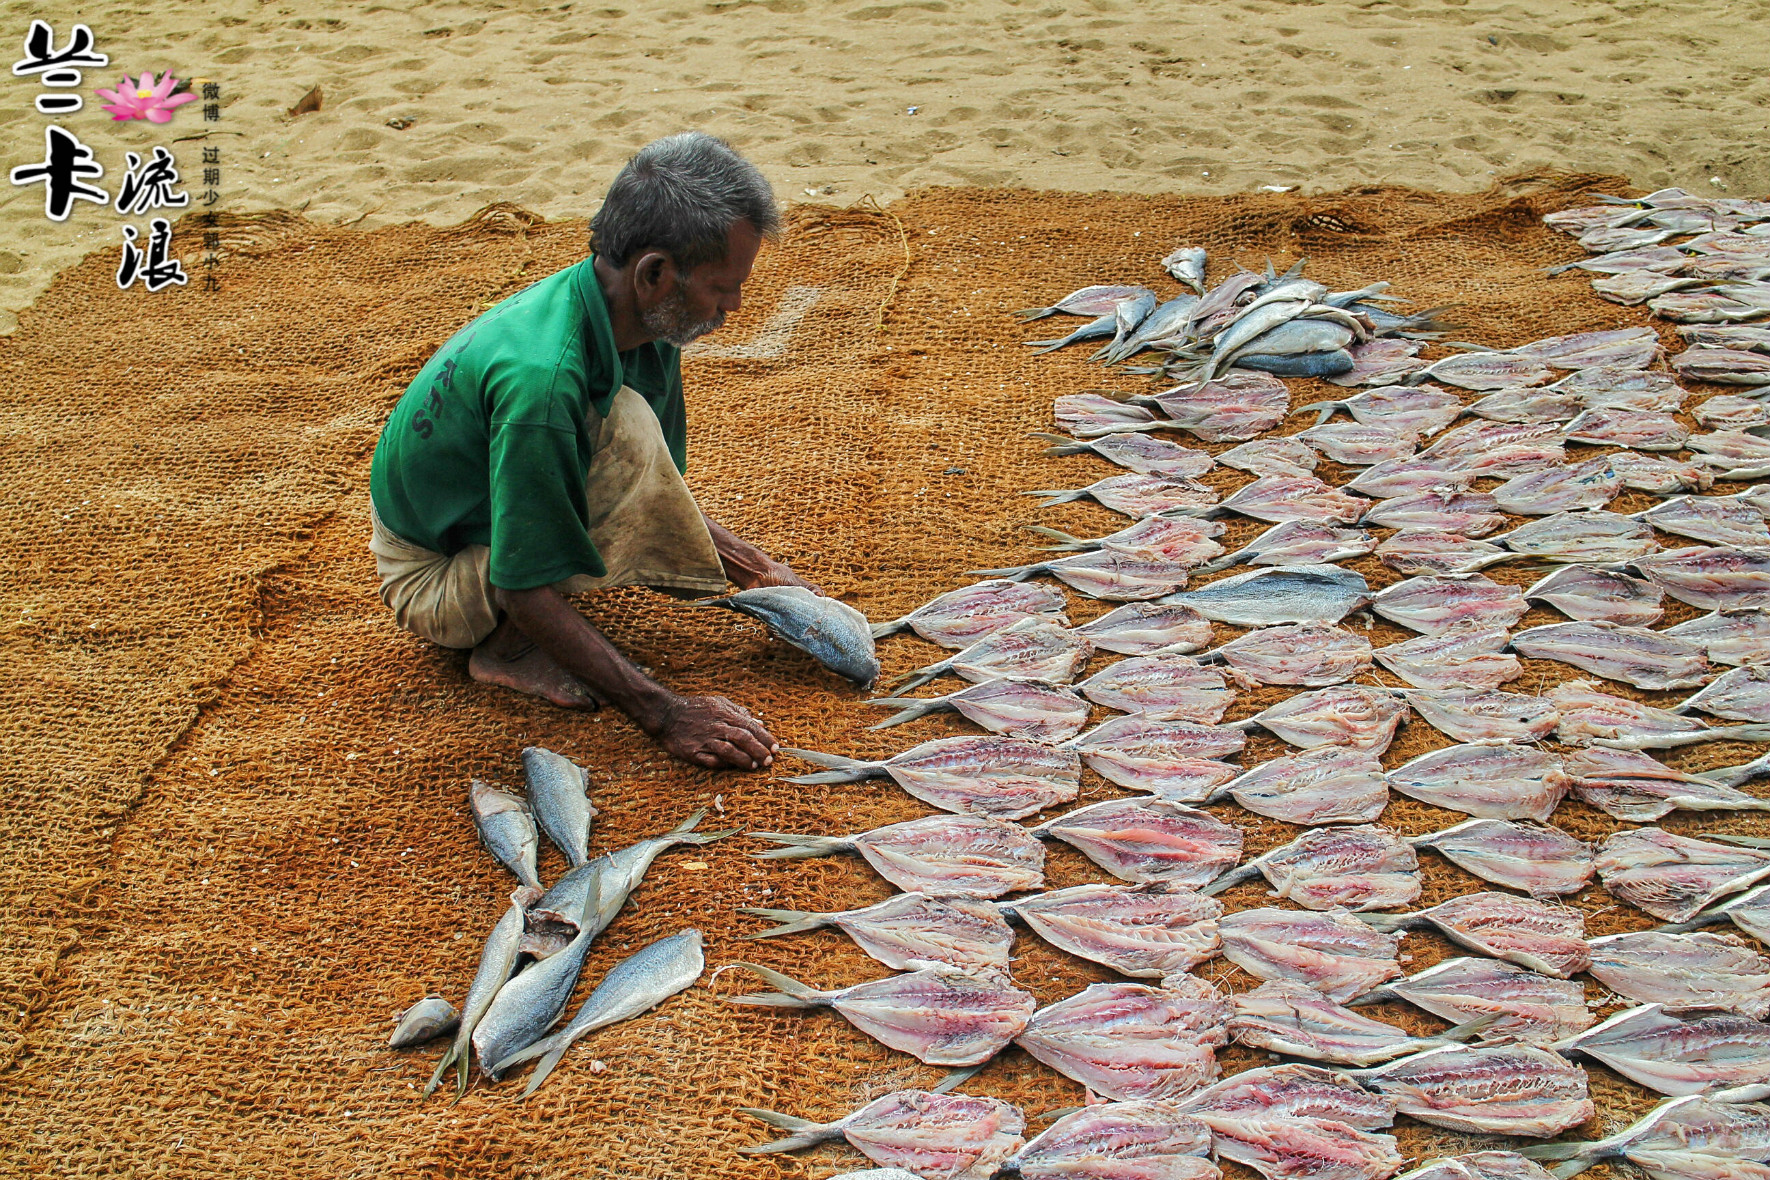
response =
{"points": [[510, 659]]}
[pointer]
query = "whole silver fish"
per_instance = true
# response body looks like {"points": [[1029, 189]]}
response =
{"points": [[558, 795], [1285, 594], [526, 1007], [506, 829], [1187, 265], [429, 1018], [636, 984], [827, 629], [496, 962]]}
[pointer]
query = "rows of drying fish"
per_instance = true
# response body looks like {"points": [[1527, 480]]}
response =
{"points": [[971, 876], [533, 957]]}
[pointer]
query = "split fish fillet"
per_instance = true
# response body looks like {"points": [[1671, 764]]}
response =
{"points": [[1538, 859]]}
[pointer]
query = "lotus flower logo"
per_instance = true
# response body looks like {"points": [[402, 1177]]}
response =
{"points": [[145, 98]]}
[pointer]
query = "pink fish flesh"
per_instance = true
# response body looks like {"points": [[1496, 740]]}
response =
{"points": [[1541, 860], [1433, 605], [1031, 649], [1286, 1017], [1635, 655], [1719, 520], [1746, 339], [961, 932], [1729, 636], [1334, 953], [1672, 877], [1593, 536], [1331, 784], [1181, 539], [1147, 931], [1027, 709], [959, 618], [1633, 389], [1591, 484], [1661, 476], [1590, 717], [1484, 370], [931, 1136], [1478, 438], [1136, 495], [1617, 261], [1231, 408], [1689, 1138], [1089, 415], [1504, 462], [1161, 688], [1119, 1141], [1116, 574], [1640, 789], [1527, 1005], [942, 854], [1139, 453], [1004, 778], [1684, 970], [1294, 1092], [1378, 362], [1433, 551], [1357, 868], [1528, 405], [1341, 715], [939, 1015], [1145, 628], [1488, 780], [1539, 935], [1172, 759], [1301, 653], [1144, 840], [1700, 307], [1728, 412], [1412, 477], [1278, 498], [1679, 1053], [1302, 1148], [1485, 715], [1594, 595], [1742, 694], [1639, 430], [1132, 1041], [1624, 348], [1357, 444], [1503, 1090], [1468, 514], [1298, 542], [1481, 1165], [1468, 656], [1272, 456]]}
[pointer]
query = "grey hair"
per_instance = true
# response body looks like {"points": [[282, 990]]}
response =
{"points": [[682, 194]]}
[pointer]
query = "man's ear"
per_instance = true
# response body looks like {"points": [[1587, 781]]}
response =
{"points": [[654, 277]]}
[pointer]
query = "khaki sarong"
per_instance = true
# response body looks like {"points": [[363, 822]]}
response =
{"points": [[643, 521]]}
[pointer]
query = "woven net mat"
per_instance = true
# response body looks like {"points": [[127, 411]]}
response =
{"points": [[237, 834]]}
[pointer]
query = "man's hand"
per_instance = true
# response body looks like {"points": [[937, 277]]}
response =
{"points": [[715, 732], [748, 567]]}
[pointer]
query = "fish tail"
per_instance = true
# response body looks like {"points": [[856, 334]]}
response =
{"points": [[1066, 542], [1738, 841], [703, 837], [1231, 879], [688, 825], [1060, 444], [1376, 995], [790, 992], [542, 1070], [1389, 923], [1459, 1033], [791, 921], [1058, 495], [1014, 573], [841, 770], [801, 846], [1034, 313], [804, 1132], [1323, 410], [1555, 270], [1700, 921], [881, 630], [1747, 733], [921, 676], [1049, 345], [449, 1059], [918, 707], [556, 1042], [957, 1078], [1585, 1153]]}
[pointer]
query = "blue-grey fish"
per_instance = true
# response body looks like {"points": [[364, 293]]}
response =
{"points": [[526, 1007], [496, 962], [1166, 323], [506, 829], [636, 984], [1088, 301], [827, 629], [1283, 594], [429, 1018], [558, 795], [1187, 265], [1094, 329], [1306, 364]]}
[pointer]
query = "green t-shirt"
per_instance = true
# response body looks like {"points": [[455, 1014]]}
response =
{"points": [[491, 442]]}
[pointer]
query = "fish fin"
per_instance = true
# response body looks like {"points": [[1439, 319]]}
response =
{"points": [[791, 993], [841, 770], [542, 1070], [1323, 410], [1376, 995], [1470, 1030], [1058, 495], [706, 837], [1067, 542], [956, 1078], [688, 825], [1060, 444], [791, 921], [554, 1042], [921, 676], [1034, 313], [801, 846], [1231, 879], [805, 1133], [1737, 841]]}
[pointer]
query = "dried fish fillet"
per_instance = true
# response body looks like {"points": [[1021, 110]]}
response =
{"points": [[1635, 655], [1287, 594], [1139, 453], [1679, 1052], [1593, 718], [1272, 456], [1089, 415], [1278, 498], [1001, 777], [1594, 595], [1230, 408], [1297, 542], [1591, 484], [1377, 362], [943, 854], [1411, 477], [1028, 709], [1466, 656], [1286, 1017], [1294, 1092], [1727, 366], [1689, 1138], [1468, 514], [1341, 715], [1161, 688], [1132, 1041], [1632, 389], [1135, 495], [1503, 1090], [1307, 654], [1541, 860], [1327, 785], [1750, 911], [1635, 787], [1539, 935], [1118, 1141], [1478, 438], [930, 1136], [1114, 574], [1433, 551], [1742, 694], [1719, 520], [1729, 637], [1672, 877], [1332, 952], [1484, 715], [1527, 405], [1299, 1148], [1684, 970], [961, 617], [1143, 840], [1527, 1005], [1659, 475], [1591, 536], [1172, 759], [1483, 370], [1358, 444], [1638, 430], [908, 928], [1728, 411], [1145, 628], [1031, 649], [1433, 605], [1488, 780], [1178, 538], [1357, 868], [1148, 931]]}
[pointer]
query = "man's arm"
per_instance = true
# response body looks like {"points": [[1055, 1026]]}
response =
{"points": [[710, 731], [747, 566]]}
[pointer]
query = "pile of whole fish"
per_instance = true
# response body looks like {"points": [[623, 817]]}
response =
{"points": [[1475, 458], [532, 959]]}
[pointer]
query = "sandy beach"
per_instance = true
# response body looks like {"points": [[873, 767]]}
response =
{"points": [[538, 104]]}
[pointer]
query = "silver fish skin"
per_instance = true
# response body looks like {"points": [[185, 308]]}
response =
{"points": [[1742, 694], [1144, 931], [1484, 715], [1502, 1090], [1340, 715], [1635, 655], [827, 629], [1698, 970], [940, 854], [1366, 867], [426, 1020], [636, 984], [1638, 430], [1480, 1165], [1538, 859], [1435, 604], [507, 830], [1469, 514], [1403, 478], [1659, 475], [1672, 877], [959, 618], [1433, 551], [1148, 628], [1307, 654], [1119, 1141], [1297, 542], [1356, 444], [1332, 952], [1330, 784], [1149, 840], [1278, 498], [526, 1007], [1282, 1016], [1488, 780], [1467, 656], [908, 928], [1031, 649], [995, 777], [937, 1014], [1632, 786], [1679, 1052], [1136, 452], [929, 1136], [496, 961], [1176, 760], [1161, 688], [1539, 935], [1602, 596], [1591, 484], [1187, 265], [558, 795], [1161, 324], [1272, 456], [1029, 709], [1132, 1041], [1287, 594], [1589, 536], [1526, 1005], [1718, 520]]}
